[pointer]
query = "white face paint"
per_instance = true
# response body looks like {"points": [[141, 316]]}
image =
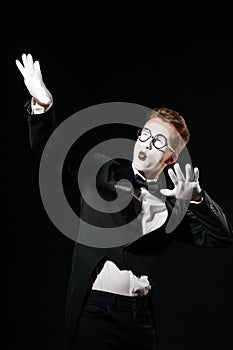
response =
{"points": [[147, 158]]}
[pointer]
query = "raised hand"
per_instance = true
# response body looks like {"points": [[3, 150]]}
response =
{"points": [[185, 186], [33, 80]]}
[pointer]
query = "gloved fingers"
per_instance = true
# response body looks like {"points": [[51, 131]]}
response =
{"points": [[167, 192], [37, 69], [29, 64], [173, 176], [24, 59], [21, 68], [179, 173], [188, 172], [196, 174]]}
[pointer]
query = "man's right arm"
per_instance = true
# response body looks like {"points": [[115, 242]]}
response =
{"points": [[41, 126], [39, 109], [41, 116]]}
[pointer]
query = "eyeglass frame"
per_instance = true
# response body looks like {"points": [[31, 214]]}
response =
{"points": [[153, 138]]}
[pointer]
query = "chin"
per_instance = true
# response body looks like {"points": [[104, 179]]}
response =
{"points": [[140, 165]]}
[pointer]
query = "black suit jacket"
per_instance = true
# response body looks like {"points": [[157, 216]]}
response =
{"points": [[203, 225]]}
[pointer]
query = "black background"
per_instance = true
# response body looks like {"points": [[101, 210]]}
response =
{"points": [[184, 66]]}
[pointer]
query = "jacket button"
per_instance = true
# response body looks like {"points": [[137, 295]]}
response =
{"points": [[214, 210]]}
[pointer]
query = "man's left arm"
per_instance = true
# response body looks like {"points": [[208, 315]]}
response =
{"points": [[204, 224]]}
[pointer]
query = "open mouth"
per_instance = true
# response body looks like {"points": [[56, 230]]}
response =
{"points": [[142, 155]]}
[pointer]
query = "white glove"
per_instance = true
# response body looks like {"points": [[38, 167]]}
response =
{"points": [[185, 187], [33, 80]]}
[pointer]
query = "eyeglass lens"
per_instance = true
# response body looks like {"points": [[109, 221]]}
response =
{"points": [[159, 141]]}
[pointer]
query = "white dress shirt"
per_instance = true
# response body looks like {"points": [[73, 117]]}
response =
{"points": [[111, 279]]}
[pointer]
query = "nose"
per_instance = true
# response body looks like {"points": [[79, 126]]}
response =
{"points": [[148, 144]]}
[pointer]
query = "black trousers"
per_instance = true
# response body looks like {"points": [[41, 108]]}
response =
{"points": [[116, 322]]}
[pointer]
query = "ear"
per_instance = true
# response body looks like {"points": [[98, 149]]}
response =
{"points": [[172, 159]]}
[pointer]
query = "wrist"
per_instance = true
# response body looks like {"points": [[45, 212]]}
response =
{"points": [[45, 105], [197, 196]]}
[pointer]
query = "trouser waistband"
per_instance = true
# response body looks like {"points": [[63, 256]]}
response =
{"points": [[99, 295]]}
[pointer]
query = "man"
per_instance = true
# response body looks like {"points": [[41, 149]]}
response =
{"points": [[111, 294]]}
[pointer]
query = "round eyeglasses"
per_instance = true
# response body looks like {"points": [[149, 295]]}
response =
{"points": [[159, 141]]}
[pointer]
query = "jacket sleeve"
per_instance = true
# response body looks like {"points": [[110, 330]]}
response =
{"points": [[205, 225], [41, 126]]}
